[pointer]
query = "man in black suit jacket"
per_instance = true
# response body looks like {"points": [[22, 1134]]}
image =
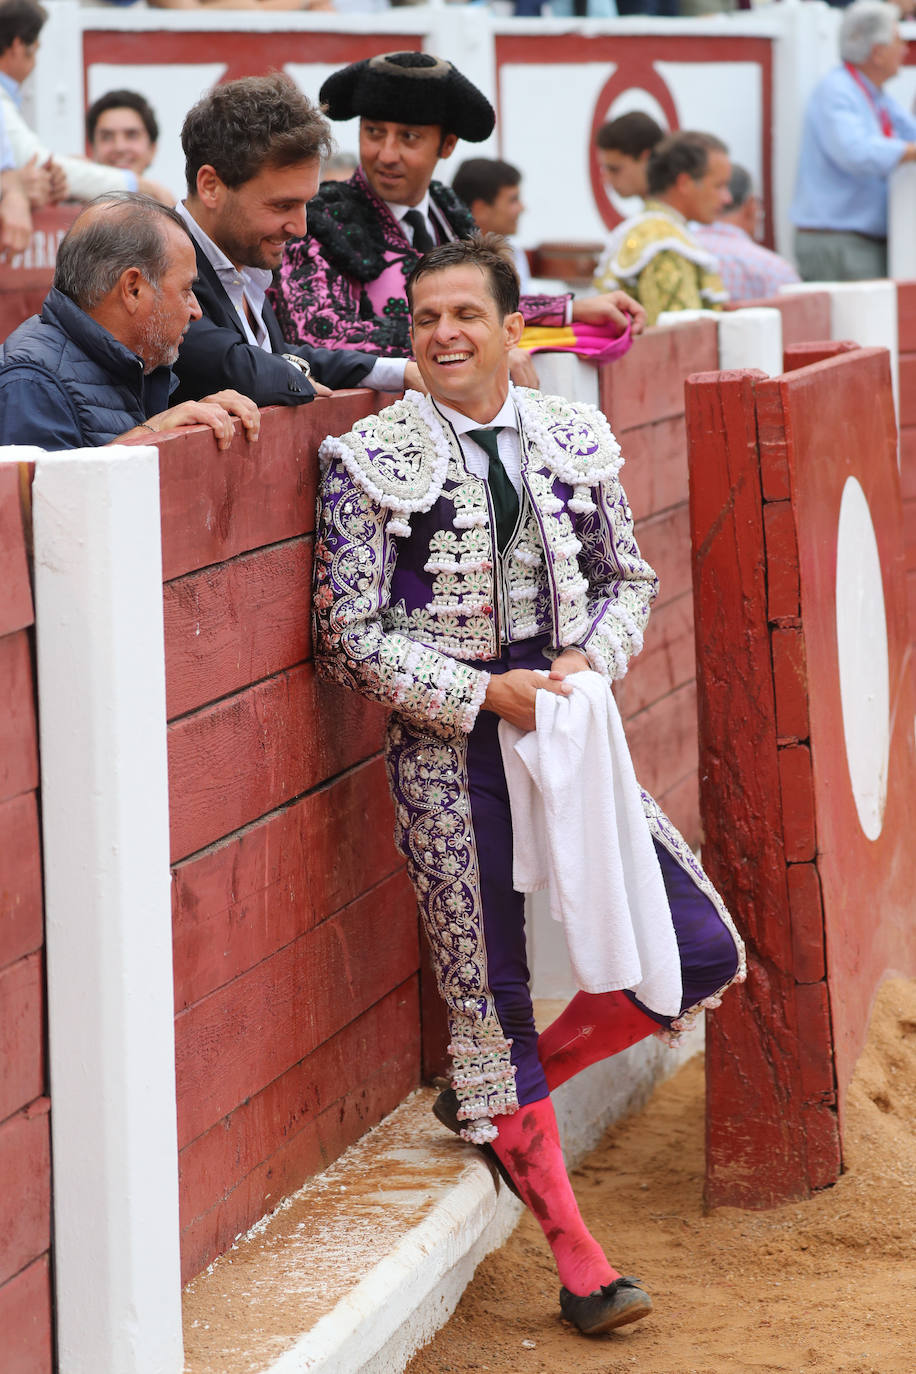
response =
{"points": [[253, 151]]}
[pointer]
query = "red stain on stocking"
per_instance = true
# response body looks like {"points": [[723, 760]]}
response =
{"points": [[529, 1146]]}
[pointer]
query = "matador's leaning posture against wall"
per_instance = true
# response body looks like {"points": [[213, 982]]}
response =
{"points": [[476, 571]]}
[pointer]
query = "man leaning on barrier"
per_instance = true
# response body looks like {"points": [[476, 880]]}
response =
{"points": [[474, 559], [253, 151], [95, 366]]}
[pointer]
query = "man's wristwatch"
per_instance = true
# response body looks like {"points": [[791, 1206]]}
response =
{"points": [[298, 362]]}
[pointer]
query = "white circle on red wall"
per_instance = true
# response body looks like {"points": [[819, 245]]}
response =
{"points": [[861, 630]]}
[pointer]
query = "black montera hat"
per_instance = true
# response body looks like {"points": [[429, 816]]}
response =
{"points": [[409, 88]]}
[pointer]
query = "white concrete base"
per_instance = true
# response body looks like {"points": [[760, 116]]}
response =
{"points": [[375, 1253]]}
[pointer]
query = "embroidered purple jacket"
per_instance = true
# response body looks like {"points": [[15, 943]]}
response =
{"points": [[343, 285]]}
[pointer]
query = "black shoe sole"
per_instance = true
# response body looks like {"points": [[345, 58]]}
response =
{"points": [[617, 1304], [445, 1109]]}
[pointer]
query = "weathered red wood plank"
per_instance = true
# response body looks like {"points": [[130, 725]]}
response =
{"points": [[909, 532], [908, 462], [681, 804], [815, 1043], [16, 602], [907, 390], [246, 1034], [782, 560], [18, 729], [667, 660], [796, 788], [216, 505], [822, 1143], [906, 316], [296, 1126], [236, 623], [740, 776], [22, 1067], [755, 1152], [25, 1198], [21, 926], [655, 472], [771, 443], [805, 316], [245, 756], [234, 905], [25, 1320], [806, 905], [664, 541], [804, 354], [663, 740], [790, 683], [647, 384]]}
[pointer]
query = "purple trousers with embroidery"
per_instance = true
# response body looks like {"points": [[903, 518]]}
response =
{"points": [[708, 955]]}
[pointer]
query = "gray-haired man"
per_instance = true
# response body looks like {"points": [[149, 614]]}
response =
{"points": [[854, 136], [95, 365]]}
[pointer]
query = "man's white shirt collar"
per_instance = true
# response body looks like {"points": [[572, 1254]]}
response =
{"points": [[506, 418]]}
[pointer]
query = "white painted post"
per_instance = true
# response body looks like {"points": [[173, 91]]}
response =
{"points": [[901, 218], [104, 794], [751, 338], [747, 338]]}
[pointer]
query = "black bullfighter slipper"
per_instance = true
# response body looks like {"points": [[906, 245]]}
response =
{"points": [[445, 1109], [614, 1304]]}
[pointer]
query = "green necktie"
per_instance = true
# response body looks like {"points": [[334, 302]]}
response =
{"points": [[502, 492]]}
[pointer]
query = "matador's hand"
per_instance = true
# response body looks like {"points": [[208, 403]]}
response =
{"points": [[512, 695]]}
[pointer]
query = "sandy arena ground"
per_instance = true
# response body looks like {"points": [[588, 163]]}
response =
{"points": [[827, 1285]]}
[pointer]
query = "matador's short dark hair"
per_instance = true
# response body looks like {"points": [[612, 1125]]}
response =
{"points": [[489, 252]]}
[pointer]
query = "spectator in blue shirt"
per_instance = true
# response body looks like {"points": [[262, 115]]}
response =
{"points": [[853, 138]]}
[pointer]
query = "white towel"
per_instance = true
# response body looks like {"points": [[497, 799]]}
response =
{"points": [[579, 829]]}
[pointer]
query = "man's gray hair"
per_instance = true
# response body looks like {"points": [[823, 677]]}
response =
{"points": [[866, 24], [740, 187], [92, 256]]}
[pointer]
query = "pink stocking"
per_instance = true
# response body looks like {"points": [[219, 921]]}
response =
{"points": [[594, 1026], [529, 1146]]}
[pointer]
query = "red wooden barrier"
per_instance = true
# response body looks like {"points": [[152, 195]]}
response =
{"points": [[825, 909], [804, 316], [804, 354], [295, 930], [26, 280], [643, 397], [25, 1150], [906, 327]]}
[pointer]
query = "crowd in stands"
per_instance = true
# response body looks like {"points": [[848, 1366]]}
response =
{"points": [[288, 303]]}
